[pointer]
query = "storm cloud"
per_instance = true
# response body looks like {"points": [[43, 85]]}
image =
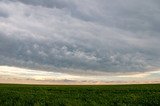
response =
{"points": [[106, 35]]}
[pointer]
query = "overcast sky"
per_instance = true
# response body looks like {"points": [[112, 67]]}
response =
{"points": [[80, 37]]}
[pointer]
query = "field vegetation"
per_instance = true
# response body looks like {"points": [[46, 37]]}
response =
{"points": [[79, 95]]}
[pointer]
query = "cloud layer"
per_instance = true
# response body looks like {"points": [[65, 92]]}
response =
{"points": [[73, 35]]}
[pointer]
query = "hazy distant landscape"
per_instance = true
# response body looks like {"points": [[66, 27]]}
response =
{"points": [[80, 95]]}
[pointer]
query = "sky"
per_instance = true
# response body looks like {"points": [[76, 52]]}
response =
{"points": [[79, 41]]}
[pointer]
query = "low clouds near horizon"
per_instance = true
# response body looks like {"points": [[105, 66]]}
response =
{"points": [[80, 35]]}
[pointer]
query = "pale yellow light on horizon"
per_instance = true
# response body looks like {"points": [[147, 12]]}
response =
{"points": [[20, 75]]}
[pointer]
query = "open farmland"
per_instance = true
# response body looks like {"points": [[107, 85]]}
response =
{"points": [[79, 95]]}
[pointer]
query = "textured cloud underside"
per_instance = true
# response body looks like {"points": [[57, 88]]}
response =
{"points": [[74, 35]]}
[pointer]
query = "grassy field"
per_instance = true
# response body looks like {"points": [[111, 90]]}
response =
{"points": [[111, 95]]}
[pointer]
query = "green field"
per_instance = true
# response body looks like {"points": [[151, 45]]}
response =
{"points": [[102, 95]]}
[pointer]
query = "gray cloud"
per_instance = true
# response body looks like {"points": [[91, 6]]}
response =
{"points": [[110, 36]]}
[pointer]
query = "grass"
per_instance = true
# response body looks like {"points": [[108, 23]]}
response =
{"points": [[74, 95]]}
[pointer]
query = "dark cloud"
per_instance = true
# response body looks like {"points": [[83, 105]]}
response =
{"points": [[110, 36], [3, 15]]}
